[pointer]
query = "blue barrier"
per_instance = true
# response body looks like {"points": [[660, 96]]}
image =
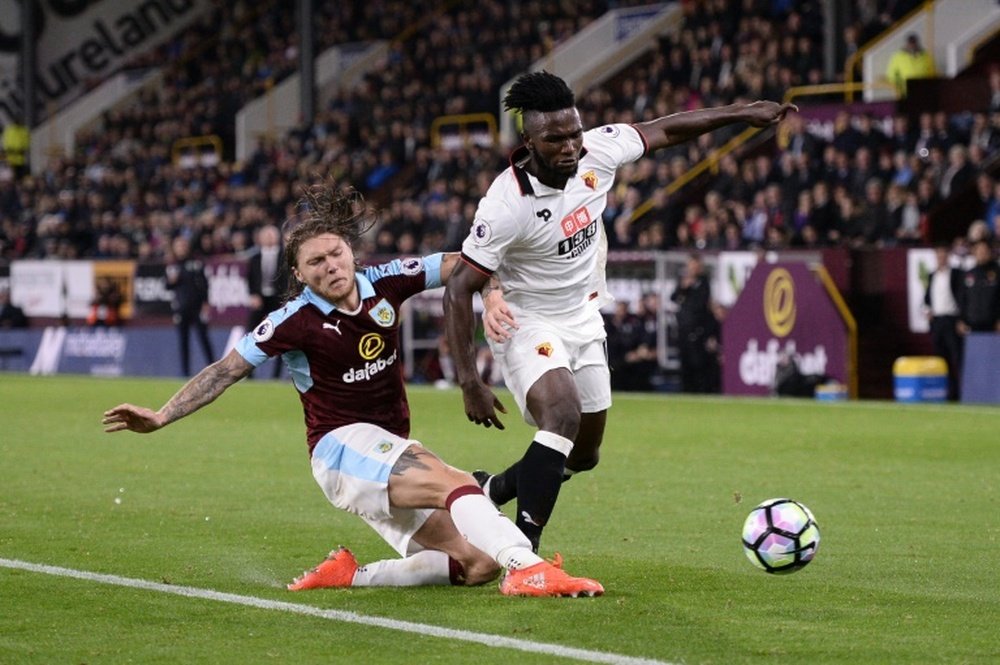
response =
{"points": [[981, 369], [151, 351]]}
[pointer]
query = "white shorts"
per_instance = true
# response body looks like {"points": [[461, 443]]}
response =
{"points": [[537, 347], [352, 465]]}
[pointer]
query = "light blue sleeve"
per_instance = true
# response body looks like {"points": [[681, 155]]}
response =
{"points": [[432, 270], [247, 347]]}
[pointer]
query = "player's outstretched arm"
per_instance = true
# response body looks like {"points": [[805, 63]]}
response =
{"points": [[680, 127], [481, 404], [202, 389]]}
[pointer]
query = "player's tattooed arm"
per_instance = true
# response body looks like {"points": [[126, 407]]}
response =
{"points": [[202, 389], [207, 385]]}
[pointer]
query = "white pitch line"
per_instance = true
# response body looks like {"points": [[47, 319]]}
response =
{"points": [[495, 641]]}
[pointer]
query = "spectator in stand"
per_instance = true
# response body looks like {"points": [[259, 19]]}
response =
{"points": [[979, 299], [794, 139], [927, 136], [825, 217], [15, 142], [927, 195], [908, 220], [910, 62], [186, 278], [991, 215], [994, 82], [959, 172], [873, 225]]}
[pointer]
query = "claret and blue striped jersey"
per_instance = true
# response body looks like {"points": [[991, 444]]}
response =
{"points": [[347, 366]]}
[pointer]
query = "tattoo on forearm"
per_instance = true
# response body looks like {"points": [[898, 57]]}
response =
{"points": [[409, 460], [207, 385]]}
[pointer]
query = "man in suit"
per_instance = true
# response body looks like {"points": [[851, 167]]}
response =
{"points": [[186, 279], [941, 299], [266, 279]]}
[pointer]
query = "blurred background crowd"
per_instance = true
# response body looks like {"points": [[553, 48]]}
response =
{"points": [[870, 181], [861, 180]]}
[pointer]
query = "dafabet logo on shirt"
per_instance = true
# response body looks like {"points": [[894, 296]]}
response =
{"points": [[371, 345]]}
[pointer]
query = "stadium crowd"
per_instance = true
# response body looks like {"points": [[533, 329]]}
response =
{"points": [[861, 180]]}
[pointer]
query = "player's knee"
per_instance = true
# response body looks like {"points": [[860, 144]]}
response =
{"points": [[585, 462], [562, 418], [459, 478], [453, 479]]}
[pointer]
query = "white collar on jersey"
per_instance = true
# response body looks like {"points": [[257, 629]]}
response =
{"points": [[365, 289], [527, 183]]}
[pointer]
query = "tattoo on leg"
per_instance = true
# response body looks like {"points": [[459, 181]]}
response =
{"points": [[409, 460]]}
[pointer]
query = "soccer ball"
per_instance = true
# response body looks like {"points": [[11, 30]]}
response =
{"points": [[780, 536]]}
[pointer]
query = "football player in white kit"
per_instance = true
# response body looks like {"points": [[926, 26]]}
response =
{"points": [[539, 232]]}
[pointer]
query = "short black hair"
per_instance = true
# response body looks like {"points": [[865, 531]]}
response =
{"points": [[538, 91]]}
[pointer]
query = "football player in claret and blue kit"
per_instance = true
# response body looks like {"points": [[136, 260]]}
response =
{"points": [[338, 334], [538, 239]]}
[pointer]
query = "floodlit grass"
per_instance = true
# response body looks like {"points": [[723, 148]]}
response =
{"points": [[906, 498]]}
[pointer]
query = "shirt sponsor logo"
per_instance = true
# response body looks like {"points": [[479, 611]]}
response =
{"points": [[411, 266], [590, 179], [370, 369], [264, 331], [575, 221], [383, 313], [580, 231], [371, 345], [544, 349]]}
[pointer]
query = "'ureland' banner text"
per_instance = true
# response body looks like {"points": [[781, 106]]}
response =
{"points": [[79, 42]]}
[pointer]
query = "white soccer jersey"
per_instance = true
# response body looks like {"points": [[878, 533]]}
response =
{"points": [[544, 243]]}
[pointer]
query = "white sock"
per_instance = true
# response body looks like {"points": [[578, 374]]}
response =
{"points": [[488, 529], [425, 568]]}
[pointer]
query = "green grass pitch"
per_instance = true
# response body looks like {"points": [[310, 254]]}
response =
{"points": [[907, 498]]}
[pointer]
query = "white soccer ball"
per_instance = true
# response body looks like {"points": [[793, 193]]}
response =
{"points": [[780, 536]]}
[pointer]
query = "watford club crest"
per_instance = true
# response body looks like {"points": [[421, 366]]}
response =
{"points": [[544, 349], [590, 179]]}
